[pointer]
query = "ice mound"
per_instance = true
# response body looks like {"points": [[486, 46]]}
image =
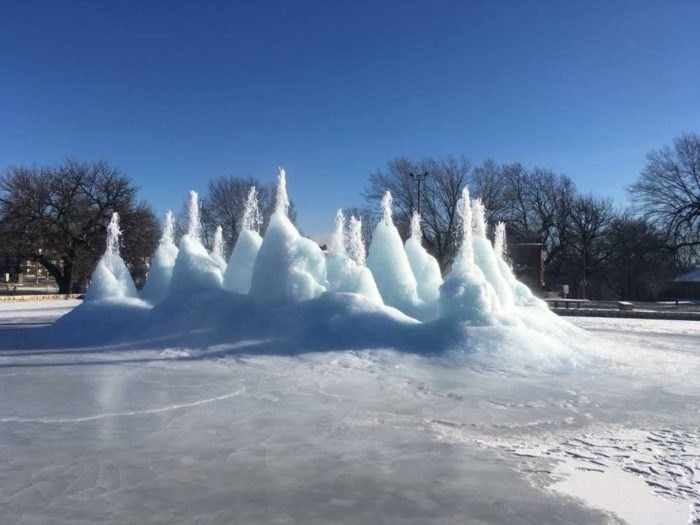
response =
{"points": [[161, 269], [486, 259], [289, 268], [111, 278], [348, 273], [239, 272], [466, 295], [424, 266], [194, 268], [389, 264], [217, 249], [292, 298]]}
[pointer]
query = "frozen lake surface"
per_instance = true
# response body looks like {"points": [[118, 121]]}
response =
{"points": [[218, 434]]}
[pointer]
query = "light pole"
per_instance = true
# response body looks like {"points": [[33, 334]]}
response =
{"points": [[418, 178]]}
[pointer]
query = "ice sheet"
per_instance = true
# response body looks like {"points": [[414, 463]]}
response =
{"points": [[220, 434]]}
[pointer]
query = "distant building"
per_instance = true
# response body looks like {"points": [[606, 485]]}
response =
{"points": [[685, 286], [526, 253]]}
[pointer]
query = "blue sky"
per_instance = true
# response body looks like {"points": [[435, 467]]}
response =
{"points": [[175, 93]]}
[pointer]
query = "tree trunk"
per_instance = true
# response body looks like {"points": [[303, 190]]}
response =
{"points": [[63, 279]]}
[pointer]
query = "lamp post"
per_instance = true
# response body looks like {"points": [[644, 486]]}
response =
{"points": [[419, 178]]}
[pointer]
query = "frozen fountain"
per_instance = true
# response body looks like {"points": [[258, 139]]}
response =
{"points": [[111, 278], [424, 266], [194, 268], [239, 272], [162, 263], [217, 249], [283, 285], [345, 261], [466, 295], [289, 268], [389, 264]]}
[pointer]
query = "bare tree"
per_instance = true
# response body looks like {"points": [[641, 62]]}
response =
{"points": [[57, 216], [224, 204], [587, 251], [537, 203], [668, 190], [640, 261]]}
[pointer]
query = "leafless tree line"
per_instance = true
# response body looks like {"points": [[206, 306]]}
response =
{"points": [[589, 243]]}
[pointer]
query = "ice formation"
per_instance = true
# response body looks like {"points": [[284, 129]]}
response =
{"points": [[217, 249], [111, 278], [289, 291], [486, 259], [162, 263], [289, 268], [466, 295], [239, 271], [425, 267], [499, 241], [389, 264], [194, 268], [348, 273]]}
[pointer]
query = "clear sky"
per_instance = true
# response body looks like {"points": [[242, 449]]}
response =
{"points": [[175, 93]]}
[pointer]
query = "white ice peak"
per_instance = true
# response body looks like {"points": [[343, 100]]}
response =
{"points": [[479, 217], [113, 233], [499, 240], [465, 211], [282, 201], [386, 208], [337, 243], [251, 214], [167, 238], [356, 246], [415, 226], [194, 227], [218, 245]]}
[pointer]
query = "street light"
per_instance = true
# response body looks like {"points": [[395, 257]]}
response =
{"points": [[418, 178]]}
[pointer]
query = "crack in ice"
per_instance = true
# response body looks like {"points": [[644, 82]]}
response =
{"points": [[120, 414]]}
